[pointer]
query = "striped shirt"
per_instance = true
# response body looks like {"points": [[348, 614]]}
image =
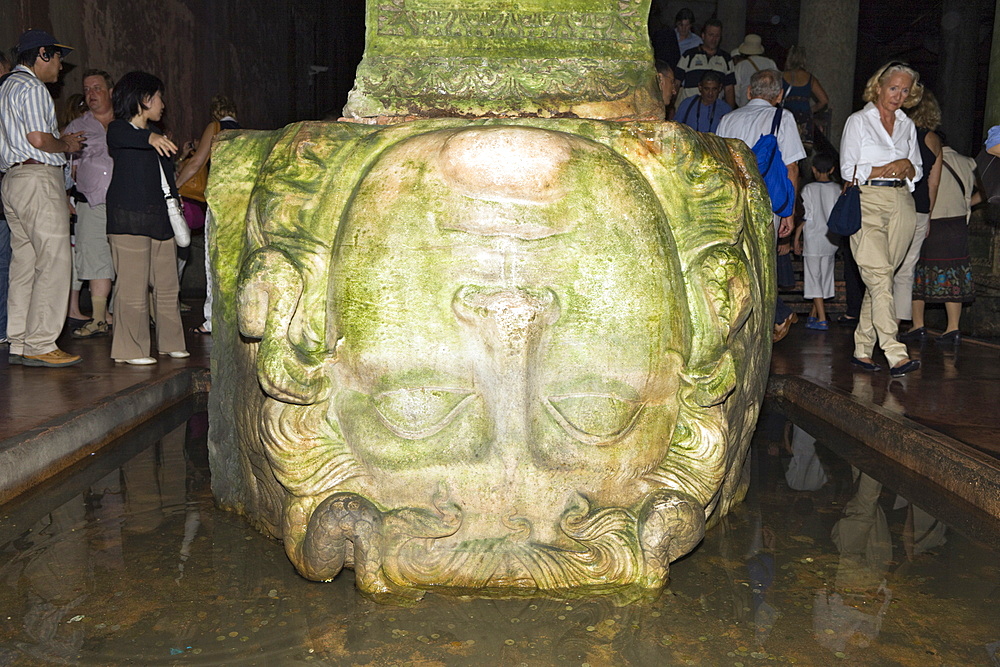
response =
{"points": [[26, 106]]}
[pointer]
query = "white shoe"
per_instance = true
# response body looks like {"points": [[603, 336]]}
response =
{"points": [[177, 354], [141, 361]]}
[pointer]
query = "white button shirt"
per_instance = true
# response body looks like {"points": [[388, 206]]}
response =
{"points": [[865, 144]]}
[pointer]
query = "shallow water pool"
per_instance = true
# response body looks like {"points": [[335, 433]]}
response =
{"points": [[127, 561]]}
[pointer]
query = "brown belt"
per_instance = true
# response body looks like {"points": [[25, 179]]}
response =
{"points": [[28, 161]]}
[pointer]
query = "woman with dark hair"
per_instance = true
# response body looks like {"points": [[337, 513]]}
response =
{"points": [[879, 148], [142, 240]]}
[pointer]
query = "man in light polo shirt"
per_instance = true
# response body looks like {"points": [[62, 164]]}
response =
{"points": [[34, 199], [749, 123]]}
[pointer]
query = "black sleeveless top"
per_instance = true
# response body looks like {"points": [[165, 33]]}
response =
{"points": [[921, 193]]}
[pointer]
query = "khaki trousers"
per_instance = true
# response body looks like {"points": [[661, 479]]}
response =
{"points": [[141, 263], [902, 288], [34, 200], [888, 219]]}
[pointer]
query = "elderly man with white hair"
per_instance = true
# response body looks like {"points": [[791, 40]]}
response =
{"points": [[749, 123]]}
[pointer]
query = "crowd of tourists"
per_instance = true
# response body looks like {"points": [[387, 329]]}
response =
{"points": [[93, 196], [134, 196], [916, 193]]}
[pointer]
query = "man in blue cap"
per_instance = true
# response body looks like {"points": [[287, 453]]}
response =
{"points": [[32, 155]]}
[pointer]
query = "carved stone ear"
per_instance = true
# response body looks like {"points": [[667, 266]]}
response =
{"points": [[721, 305], [268, 298]]}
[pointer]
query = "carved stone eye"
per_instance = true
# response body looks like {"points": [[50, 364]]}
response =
{"points": [[420, 412], [594, 418]]}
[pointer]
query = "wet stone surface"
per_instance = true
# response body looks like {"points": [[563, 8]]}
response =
{"points": [[128, 562]]}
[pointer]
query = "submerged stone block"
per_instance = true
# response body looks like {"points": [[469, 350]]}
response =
{"points": [[493, 357]]}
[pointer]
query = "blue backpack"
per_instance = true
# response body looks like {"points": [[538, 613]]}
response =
{"points": [[774, 171]]}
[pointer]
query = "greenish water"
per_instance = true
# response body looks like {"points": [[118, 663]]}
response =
{"points": [[128, 562]]}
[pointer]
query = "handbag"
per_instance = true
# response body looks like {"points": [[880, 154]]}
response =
{"points": [[194, 187], [988, 167], [182, 234], [845, 217]]}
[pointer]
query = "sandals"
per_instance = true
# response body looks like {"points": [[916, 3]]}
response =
{"points": [[91, 330], [200, 331]]}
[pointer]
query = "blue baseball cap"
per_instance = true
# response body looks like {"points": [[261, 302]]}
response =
{"points": [[32, 39]]}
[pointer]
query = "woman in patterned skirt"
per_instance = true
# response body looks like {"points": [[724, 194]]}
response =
{"points": [[944, 272]]}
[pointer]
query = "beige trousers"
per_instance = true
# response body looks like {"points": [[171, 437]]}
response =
{"points": [[902, 287], [888, 219], [141, 263], [34, 200]]}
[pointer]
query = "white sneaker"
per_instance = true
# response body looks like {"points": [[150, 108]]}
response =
{"points": [[141, 361], [177, 354]]}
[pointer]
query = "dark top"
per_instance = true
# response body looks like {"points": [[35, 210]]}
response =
{"points": [[665, 48], [135, 203], [921, 192], [798, 100]]}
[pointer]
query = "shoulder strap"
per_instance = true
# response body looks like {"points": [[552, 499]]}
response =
{"points": [[10, 74], [687, 113], [961, 186], [777, 119], [750, 58]]}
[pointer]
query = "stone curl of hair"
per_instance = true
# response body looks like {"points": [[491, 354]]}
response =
{"points": [[766, 84], [927, 114], [882, 75]]}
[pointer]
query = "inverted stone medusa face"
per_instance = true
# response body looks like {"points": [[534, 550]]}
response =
{"points": [[493, 378], [509, 311]]}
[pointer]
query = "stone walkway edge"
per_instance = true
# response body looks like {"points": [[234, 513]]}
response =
{"points": [[41, 452], [962, 470]]}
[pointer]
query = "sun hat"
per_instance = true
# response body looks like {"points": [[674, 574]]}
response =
{"points": [[751, 45]]}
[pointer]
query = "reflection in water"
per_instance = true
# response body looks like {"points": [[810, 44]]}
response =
{"points": [[132, 564], [862, 536]]}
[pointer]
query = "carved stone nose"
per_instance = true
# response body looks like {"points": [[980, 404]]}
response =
{"points": [[507, 322], [506, 328]]}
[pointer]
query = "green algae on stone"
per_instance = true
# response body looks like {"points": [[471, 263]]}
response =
{"points": [[494, 357], [435, 58]]}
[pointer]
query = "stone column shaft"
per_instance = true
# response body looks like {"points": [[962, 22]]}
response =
{"points": [[957, 77], [828, 29], [733, 14], [993, 91]]}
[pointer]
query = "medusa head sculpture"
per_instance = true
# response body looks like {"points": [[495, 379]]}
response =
{"points": [[495, 358]]}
